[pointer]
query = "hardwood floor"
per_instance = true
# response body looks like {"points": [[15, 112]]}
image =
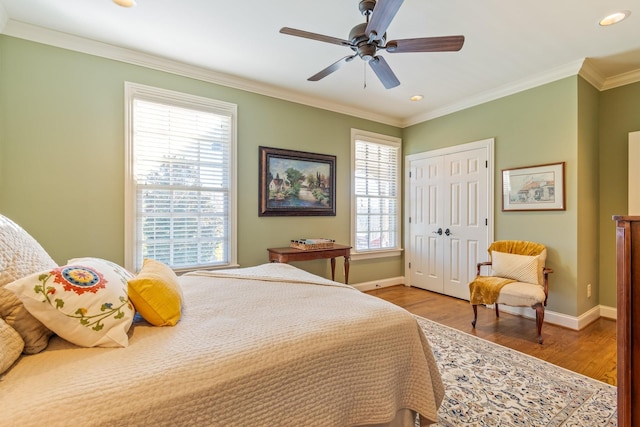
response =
{"points": [[591, 351]]}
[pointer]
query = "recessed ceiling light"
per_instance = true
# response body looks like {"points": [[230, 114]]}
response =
{"points": [[614, 18], [125, 3], [416, 98]]}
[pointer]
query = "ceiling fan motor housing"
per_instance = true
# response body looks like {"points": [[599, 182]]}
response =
{"points": [[360, 42], [357, 34]]}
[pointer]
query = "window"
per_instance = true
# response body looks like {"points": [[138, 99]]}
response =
{"points": [[180, 193], [375, 213]]}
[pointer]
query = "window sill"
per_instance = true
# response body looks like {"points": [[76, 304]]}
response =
{"points": [[384, 253]]}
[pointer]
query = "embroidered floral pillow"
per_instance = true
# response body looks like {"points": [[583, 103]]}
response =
{"points": [[84, 302]]}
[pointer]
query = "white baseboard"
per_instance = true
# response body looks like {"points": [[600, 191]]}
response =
{"points": [[560, 319], [608, 312], [377, 284]]}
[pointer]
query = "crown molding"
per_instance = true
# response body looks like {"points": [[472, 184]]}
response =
{"points": [[91, 47], [549, 76], [621, 80], [591, 75]]}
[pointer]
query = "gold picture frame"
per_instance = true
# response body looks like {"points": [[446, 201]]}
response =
{"points": [[296, 183], [534, 188]]}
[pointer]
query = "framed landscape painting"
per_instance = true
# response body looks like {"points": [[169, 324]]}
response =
{"points": [[296, 183], [534, 188]]}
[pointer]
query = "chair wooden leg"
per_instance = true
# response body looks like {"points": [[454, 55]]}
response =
{"points": [[475, 315], [539, 308], [497, 311]]}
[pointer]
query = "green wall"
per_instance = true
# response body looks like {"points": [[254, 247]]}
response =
{"points": [[62, 162], [567, 120], [62, 148], [2, 121], [619, 114], [588, 196], [533, 127]]}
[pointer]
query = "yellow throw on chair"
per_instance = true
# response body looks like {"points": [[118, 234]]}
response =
{"points": [[518, 277], [486, 289]]}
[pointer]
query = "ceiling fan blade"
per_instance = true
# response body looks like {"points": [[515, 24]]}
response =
{"points": [[330, 69], [384, 72], [314, 36], [426, 44], [382, 15]]}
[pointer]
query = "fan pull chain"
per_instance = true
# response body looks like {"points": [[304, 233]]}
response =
{"points": [[364, 85]]}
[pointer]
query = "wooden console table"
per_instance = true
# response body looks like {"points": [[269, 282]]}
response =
{"points": [[286, 255]]}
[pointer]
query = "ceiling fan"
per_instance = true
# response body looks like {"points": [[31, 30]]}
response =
{"points": [[366, 39]]}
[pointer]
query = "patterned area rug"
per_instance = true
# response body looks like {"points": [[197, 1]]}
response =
{"points": [[490, 385]]}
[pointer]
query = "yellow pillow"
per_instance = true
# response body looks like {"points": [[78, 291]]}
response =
{"points": [[156, 294]]}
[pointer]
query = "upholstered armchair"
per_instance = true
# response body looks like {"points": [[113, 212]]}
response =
{"points": [[517, 277]]}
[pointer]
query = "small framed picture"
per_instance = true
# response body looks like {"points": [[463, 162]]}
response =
{"points": [[534, 188]]}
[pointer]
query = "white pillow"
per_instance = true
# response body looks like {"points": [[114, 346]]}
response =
{"points": [[85, 302], [11, 345], [523, 268]]}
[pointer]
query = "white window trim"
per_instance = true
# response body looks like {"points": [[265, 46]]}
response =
{"points": [[188, 101], [379, 139]]}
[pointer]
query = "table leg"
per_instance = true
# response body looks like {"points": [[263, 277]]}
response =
{"points": [[333, 269], [346, 270]]}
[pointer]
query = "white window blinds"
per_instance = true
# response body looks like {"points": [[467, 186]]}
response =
{"points": [[182, 181], [376, 188]]}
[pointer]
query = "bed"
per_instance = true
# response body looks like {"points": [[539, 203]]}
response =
{"points": [[269, 345]]}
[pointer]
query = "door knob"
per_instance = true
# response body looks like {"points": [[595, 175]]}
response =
{"points": [[447, 232], [439, 232]]}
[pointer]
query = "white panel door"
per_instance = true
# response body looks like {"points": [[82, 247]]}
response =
{"points": [[466, 219], [425, 222], [450, 226]]}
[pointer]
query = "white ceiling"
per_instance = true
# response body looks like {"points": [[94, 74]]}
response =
{"points": [[509, 46]]}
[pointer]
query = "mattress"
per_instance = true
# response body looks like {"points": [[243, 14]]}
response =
{"points": [[269, 345]]}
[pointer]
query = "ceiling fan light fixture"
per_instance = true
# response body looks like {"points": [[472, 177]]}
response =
{"points": [[614, 18], [416, 98], [125, 3]]}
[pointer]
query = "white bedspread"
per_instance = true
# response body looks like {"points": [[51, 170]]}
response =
{"points": [[303, 351]]}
